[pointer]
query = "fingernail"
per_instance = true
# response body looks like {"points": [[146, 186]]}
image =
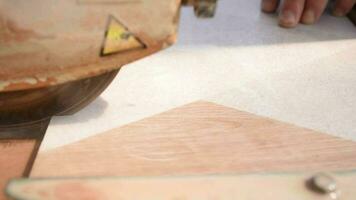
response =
{"points": [[308, 17], [338, 12], [287, 19], [267, 6]]}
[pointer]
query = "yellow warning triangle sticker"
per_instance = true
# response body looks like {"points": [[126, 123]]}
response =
{"points": [[118, 39]]}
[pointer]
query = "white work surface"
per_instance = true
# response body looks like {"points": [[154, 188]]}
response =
{"points": [[242, 59]]}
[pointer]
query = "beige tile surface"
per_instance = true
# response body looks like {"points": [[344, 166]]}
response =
{"points": [[241, 58]]}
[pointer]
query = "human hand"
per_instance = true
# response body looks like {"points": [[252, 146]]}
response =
{"points": [[304, 11]]}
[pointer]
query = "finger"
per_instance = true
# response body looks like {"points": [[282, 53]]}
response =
{"points": [[291, 12], [313, 10], [342, 7], [269, 6]]}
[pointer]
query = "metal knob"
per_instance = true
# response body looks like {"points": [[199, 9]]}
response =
{"points": [[324, 184]]}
